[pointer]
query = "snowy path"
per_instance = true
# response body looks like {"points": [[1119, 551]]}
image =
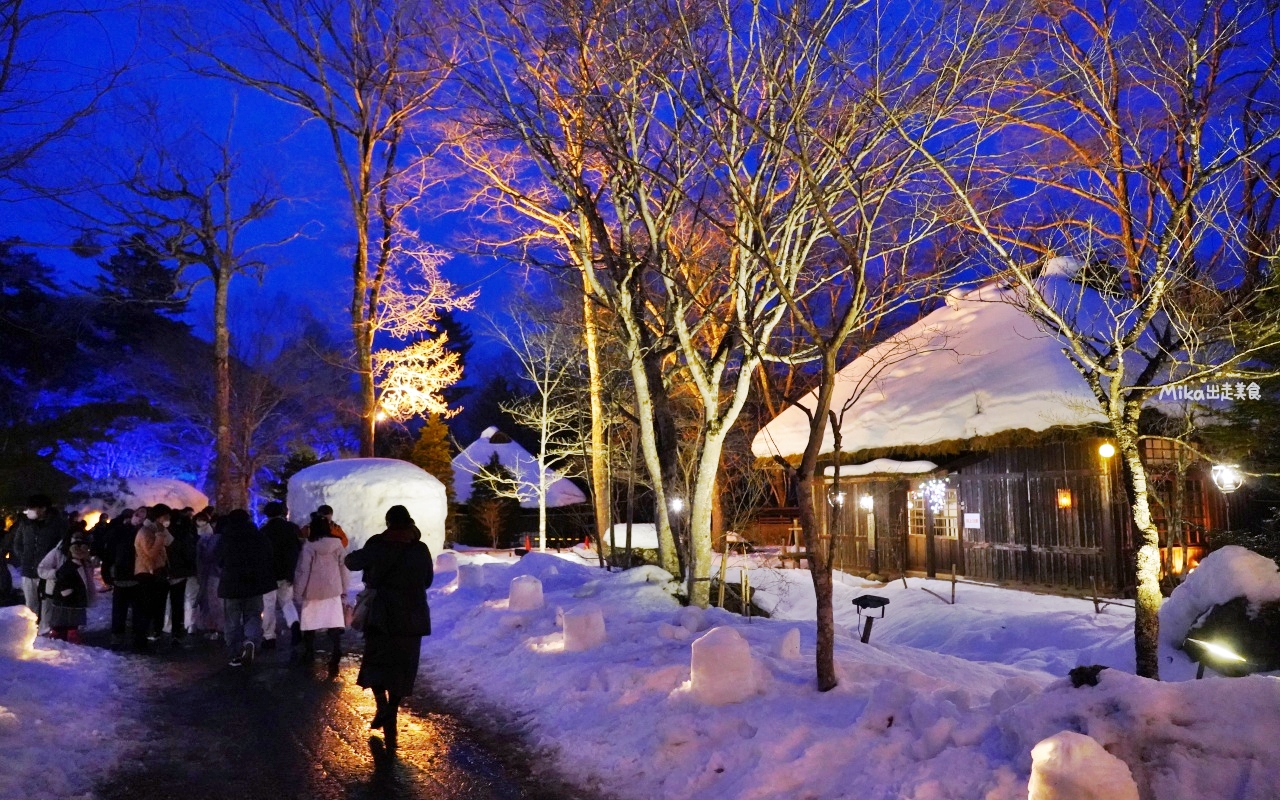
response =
{"points": [[274, 730]]}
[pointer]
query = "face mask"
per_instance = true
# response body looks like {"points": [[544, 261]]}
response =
{"points": [[31, 513]]}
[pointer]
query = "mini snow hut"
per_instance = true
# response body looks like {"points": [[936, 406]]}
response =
{"points": [[970, 440]]}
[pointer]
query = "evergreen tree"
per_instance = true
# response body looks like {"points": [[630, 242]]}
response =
{"points": [[140, 297], [434, 454], [298, 460]]}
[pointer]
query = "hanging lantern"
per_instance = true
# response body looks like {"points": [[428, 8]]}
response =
{"points": [[1227, 477], [1064, 498]]}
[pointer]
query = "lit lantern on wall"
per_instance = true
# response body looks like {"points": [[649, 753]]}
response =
{"points": [[1227, 477], [866, 502], [1106, 450], [1064, 498]]}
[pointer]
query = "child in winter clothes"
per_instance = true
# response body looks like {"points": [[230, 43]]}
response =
{"points": [[68, 569], [208, 609]]}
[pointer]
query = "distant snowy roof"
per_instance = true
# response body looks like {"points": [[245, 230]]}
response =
{"points": [[882, 466], [977, 366], [520, 462]]}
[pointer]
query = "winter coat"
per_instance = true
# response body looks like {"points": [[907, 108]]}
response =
{"points": [[285, 547], [182, 552], [334, 528], [119, 558], [321, 573], [151, 550], [398, 566], [34, 538], [70, 584], [244, 558]]}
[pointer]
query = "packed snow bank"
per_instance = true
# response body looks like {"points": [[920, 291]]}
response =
{"points": [[362, 489], [644, 536], [112, 497], [1223, 575], [522, 465], [903, 723], [63, 713], [990, 624]]}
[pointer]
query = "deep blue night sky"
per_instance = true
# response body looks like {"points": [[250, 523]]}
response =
{"points": [[274, 144]]}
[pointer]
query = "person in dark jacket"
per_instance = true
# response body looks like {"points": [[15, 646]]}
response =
{"points": [[285, 546], [68, 572], [397, 566], [118, 573], [41, 531], [182, 573], [244, 561]]}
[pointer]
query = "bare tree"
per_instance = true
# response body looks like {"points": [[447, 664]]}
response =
{"points": [[550, 358], [1148, 134], [199, 211], [365, 70], [44, 101]]}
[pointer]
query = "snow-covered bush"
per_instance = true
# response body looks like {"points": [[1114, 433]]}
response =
{"points": [[1221, 577]]}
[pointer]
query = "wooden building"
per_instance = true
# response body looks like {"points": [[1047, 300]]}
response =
{"points": [[970, 443]]}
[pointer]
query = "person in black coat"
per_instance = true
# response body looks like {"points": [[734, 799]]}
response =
{"points": [[397, 566], [244, 558], [40, 531], [285, 546], [117, 572], [182, 572]]}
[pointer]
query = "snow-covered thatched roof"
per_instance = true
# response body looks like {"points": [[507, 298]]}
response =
{"points": [[113, 496], [520, 463], [976, 367]]}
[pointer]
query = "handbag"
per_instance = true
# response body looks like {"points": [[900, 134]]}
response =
{"points": [[362, 614], [363, 608]]}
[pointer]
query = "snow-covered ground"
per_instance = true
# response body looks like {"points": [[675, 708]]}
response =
{"points": [[63, 712], [945, 703]]}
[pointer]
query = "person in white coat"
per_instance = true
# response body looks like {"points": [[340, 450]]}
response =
{"points": [[320, 583], [68, 572]]}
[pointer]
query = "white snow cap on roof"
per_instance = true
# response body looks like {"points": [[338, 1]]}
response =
{"points": [[362, 489], [976, 366], [520, 463], [112, 497], [882, 466]]}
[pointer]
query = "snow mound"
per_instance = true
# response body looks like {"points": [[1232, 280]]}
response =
{"points": [[522, 465], [1072, 766], [722, 669], [362, 489], [644, 536], [112, 497], [1222, 576]]}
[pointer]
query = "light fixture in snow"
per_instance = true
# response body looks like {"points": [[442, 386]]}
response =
{"points": [[1106, 450], [1214, 652], [1227, 477], [934, 493], [866, 502]]}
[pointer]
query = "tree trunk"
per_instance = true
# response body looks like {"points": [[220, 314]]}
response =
{"points": [[362, 328], [808, 491], [226, 496], [1146, 630], [601, 490], [651, 445], [701, 515]]}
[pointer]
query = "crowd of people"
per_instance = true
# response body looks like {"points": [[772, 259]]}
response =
{"points": [[178, 576]]}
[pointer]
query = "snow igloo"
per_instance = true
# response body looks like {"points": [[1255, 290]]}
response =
{"points": [[111, 497], [362, 489]]}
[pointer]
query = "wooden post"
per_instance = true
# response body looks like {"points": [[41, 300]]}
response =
{"points": [[724, 561], [953, 584], [744, 586], [1097, 608], [866, 629]]}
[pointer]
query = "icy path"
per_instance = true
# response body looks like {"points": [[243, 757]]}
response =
{"points": [[275, 730]]}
